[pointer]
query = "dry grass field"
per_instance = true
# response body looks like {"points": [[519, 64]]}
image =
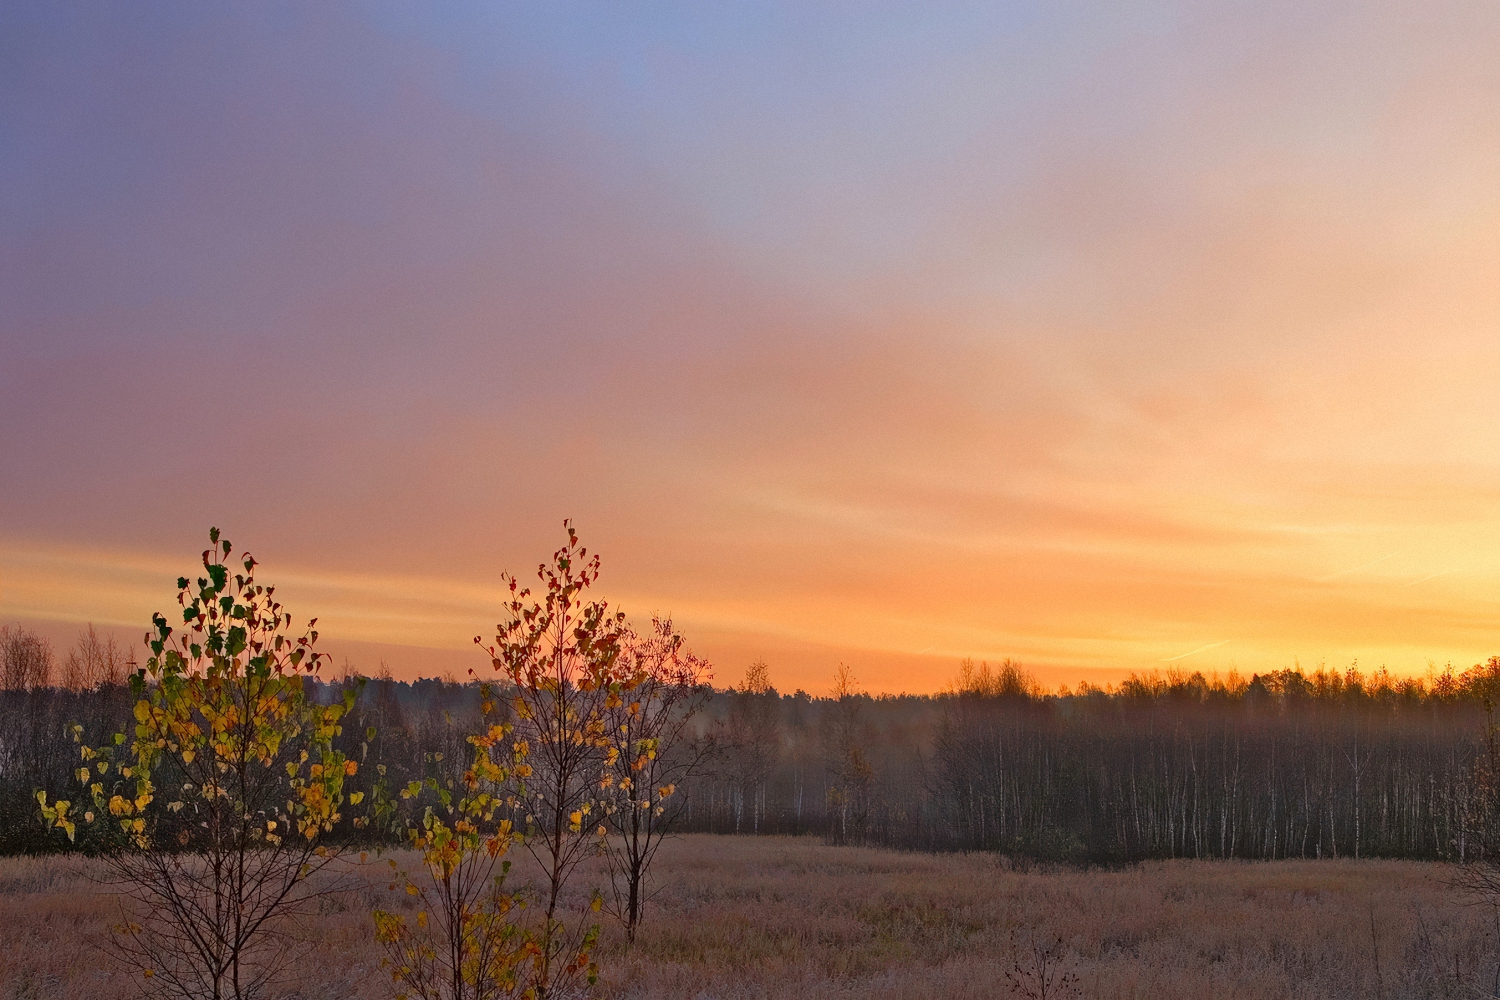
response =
{"points": [[791, 918]]}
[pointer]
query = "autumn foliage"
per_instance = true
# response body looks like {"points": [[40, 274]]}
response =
{"points": [[598, 716], [466, 940], [561, 653], [213, 811], [650, 749]]}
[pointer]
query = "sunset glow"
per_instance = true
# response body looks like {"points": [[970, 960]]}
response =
{"points": [[1104, 343]]}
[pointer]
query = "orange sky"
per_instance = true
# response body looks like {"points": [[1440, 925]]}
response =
{"points": [[1104, 342]]}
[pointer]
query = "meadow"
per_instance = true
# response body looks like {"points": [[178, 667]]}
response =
{"points": [[790, 917]]}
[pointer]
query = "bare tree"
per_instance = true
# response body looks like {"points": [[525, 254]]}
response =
{"points": [[847, 760], [1008, 680], [753, 742], [1479, 874], [94, 662], [25, 660]]}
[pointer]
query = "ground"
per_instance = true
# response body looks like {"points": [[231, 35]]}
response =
{"points": [[772, 917]]}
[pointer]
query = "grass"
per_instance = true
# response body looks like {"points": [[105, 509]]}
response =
{"points": [[789, 918]]}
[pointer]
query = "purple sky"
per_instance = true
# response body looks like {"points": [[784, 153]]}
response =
{"points": [[872, 333]]}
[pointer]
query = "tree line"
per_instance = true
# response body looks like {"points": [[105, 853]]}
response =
{"points": [[1285, 764]]}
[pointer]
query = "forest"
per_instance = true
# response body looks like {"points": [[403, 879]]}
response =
{"points": [[1288, 764]]}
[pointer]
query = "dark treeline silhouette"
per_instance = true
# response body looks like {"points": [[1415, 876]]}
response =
{"points": [[40, 701], [1285, 764]]}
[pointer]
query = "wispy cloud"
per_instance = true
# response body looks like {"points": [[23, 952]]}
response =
{"points": [[1195, 652], [1070, 337], [1357, 569]]}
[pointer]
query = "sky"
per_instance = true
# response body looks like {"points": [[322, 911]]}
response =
{"points": [[1108, 338]]}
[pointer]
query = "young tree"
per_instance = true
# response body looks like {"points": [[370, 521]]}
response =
{"points": [[215, 809], [465, 942], [651, 751], [561, 653]]}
